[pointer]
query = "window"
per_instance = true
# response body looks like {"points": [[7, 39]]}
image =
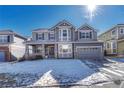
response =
{"points": [[51, 36], [108, 45], [114, 45], [64, 33], [87, 35], [82, 35], [113, 32], [41, 36], [122, 31], [4, 38]]}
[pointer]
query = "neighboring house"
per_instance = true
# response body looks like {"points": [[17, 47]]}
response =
{"points": [[121, 47], [65, 41], [113, 40], [11, 45]]}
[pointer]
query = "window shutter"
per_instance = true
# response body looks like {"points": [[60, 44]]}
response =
{"points": [[90, 34], [36, 36], [43, 36], [49, 36], [80, 34], [8, 38]]}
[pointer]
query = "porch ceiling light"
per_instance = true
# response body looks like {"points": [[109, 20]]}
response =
{"points": [[65, 46]]}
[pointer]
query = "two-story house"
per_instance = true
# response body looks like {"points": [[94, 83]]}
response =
{"points": [[11, 45], [65, 41], [113, 40]]}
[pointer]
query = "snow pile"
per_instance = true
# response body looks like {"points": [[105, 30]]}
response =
{"points": [[115, 59], [46, 80], [93, 79]]}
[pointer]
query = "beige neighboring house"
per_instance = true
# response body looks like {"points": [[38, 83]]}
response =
{"points": [[121, 47], [114, 40], [11, 45], [65, 41]]}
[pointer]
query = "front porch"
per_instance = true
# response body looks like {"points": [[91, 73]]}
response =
{"points": [[45, 50], [61, 50]]}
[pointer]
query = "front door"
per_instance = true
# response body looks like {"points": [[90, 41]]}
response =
{"points": [[50, 51]]}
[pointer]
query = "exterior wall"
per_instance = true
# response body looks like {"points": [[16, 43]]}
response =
{"points": [[7, 52], [121, 48], [17, 49]]}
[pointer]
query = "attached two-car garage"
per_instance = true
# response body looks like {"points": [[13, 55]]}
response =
{"points": [[89, 52]]}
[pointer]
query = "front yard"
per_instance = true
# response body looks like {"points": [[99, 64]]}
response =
{"points": [[42, 73], [59, 73]]}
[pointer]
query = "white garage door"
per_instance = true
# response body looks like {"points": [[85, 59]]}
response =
{"points": [[2, 56], [89, 52]]}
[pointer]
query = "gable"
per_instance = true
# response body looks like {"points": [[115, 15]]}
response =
{"points": [[62, 23], [85, 28]]}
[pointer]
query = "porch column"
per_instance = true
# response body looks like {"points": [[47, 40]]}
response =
{"points": [[55, 51], [43, 50], [26, 51]]}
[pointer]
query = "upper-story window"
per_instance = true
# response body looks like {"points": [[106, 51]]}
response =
{"points": [[4, 38], [82, 35], [64, 33], [51, 36], [113, 32], [40, 36], [86, 35], [122, 31]]}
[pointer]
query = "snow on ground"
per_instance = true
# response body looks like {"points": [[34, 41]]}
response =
{"points": [[69, 67], [51, 72], [115, 59], [93, 79], [118, 59]]}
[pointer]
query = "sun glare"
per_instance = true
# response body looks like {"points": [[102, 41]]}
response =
{"points": [[91, 9]]}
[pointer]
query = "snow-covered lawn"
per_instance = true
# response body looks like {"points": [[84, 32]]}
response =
{"points": [[51, 72]]}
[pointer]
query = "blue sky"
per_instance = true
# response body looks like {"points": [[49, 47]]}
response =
{"points": [[23, 19]]}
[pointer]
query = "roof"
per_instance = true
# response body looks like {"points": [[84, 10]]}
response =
{"points": [[8, 31], [40, 29]]}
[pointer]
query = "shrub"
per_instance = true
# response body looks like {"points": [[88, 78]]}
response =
{"points": [[35, 57], [21, 59]]}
